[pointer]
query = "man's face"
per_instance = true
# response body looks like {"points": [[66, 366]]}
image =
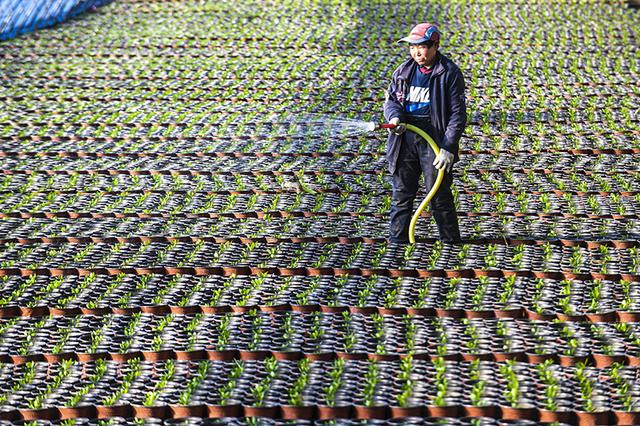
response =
{"points": [[424, 53]]}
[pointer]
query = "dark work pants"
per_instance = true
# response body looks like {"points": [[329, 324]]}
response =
{"points": [[415, 158]]}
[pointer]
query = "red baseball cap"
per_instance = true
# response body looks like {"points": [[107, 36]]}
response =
{"points": [[422, 33]]}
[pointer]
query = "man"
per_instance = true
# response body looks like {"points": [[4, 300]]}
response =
{"points": [[427, 91]]}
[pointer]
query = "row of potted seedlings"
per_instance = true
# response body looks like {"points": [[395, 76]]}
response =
{"points": [[316, 332], [121, 119], [286, 225], [109, 139], [524, 256], [575, 185], [371, 383], [540, 295], [294, 199], [558, 159]]}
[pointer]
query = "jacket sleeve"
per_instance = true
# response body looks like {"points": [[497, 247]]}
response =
{"points": [[457, 113], [393, 106]]}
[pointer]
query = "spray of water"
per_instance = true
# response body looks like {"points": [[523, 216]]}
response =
{"points": [[323, 125]]}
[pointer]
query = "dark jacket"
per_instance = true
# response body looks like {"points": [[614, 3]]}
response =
{"points": [[448, 108]]}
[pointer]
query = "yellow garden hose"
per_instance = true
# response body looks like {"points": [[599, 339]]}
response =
{"points": [[434, 188]]}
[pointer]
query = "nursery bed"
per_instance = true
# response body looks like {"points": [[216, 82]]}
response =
{"points": [[177, 248]]}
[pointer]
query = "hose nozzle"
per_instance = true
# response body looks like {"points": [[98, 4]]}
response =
{"points": [[371, 126]]}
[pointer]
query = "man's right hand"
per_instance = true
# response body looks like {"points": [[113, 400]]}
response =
{"points": [[400, 127]]}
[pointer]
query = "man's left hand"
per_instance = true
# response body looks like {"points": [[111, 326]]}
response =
{"points": [[444, 160]]}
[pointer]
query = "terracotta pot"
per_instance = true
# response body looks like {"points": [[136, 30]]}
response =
{"points": [[504, 356], [254, 355], [192, 355], [143, 412], [184, 411], [585, 418], [333, 309], [268, 412], [627, 316], [275, 308], [66, 312], [469, 313], [519, 413], [159, 355], [602, 361], [91, 357], [305, 308], [288, 356], [321, 356], [214, 310], [354, 356], [510, 313], [380, 412], [286, 272], [96, 311], [104, 412], [535, 316], [450, 313], [185, 310], [468, 357], [21, 359], [617, 243], [155, 309], [627, 417], [369, 272], [481, 411], [125, 311], [571, 361], [539, 358], [571, 317], [42, 414], [320, 271], [229, 270], [392, 311], [633, 361], [86, 411], [400, 412], [548, 416], [444, 411], [294, 412], [384, 357], [337, 412], [125, 356], [37, 311], [220, 411], [364, 310], [400, 273], [610, 316], [242, 309], [421, 312], [54, 358], [152, 271], [459, 273]]}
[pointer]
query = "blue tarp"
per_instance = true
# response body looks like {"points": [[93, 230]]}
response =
{"points": [[21, 16]]}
